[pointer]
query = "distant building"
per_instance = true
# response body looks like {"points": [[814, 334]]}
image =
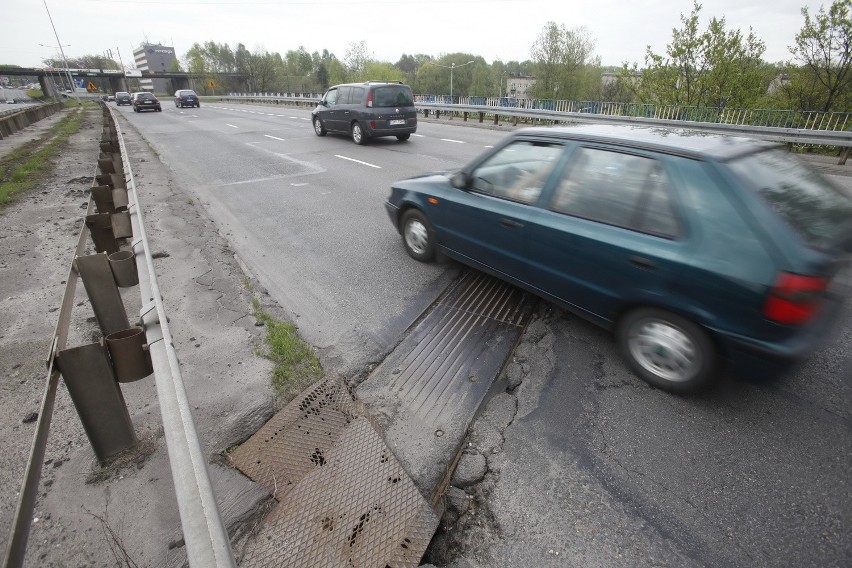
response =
{"points": [[518, 86], [158, 58], [779, 82]]}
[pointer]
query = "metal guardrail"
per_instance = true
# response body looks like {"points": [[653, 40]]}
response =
{"points": [[795, 127], [207, 543]]}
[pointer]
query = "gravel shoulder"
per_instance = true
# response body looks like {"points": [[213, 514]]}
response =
{"points": [[87, 516]]}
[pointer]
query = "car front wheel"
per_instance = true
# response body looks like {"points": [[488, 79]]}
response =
{"points": [[417, 235], [667, 351], [358, 134], [318, 127]]}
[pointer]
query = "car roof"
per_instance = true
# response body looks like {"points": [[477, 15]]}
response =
{"points": [[368, 83], [680, 141]]}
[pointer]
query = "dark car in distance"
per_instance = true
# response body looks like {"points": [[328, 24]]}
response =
{"points": [[695, 249], [123, 98], [146, 101], [186, 97], [367, 110]]}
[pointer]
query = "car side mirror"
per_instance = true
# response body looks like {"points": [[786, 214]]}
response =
{"points": [[324, 103], [459, 180]]}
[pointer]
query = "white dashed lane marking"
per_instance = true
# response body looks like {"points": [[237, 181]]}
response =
{"points": [[453, 141], [231, 125], [273, 137], [358, 161]]}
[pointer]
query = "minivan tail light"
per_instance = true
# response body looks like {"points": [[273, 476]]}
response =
{"points": [[794, 299], [370, 99]]}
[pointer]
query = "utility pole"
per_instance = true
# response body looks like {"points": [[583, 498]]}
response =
{"points": [[62, 51]]}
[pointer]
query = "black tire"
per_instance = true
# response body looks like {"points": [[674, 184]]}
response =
{"points": [[318, 127], [358, 135], [403, 137], [197, 105], [160, 109], [667, 350], [417, 235]]}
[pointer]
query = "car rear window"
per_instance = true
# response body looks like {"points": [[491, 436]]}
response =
{"points": [[393, 95], [816, 209]]}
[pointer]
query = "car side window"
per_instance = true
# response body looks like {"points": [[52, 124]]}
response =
{"points": [[357, 95], [343, 97], [518, 171], [331, 96], [617, 189]]}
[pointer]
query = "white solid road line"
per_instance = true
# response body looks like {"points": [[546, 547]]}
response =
{"points": [[358, 161], [273, 137]]}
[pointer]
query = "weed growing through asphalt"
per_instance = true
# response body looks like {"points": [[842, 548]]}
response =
{"points": [[296, 364], [22, 169]]}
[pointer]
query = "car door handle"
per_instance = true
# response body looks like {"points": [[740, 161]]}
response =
{"points": [[511, 224], [642, 262]]}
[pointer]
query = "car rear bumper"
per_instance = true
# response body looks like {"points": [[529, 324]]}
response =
{"points": [[751, 352]]}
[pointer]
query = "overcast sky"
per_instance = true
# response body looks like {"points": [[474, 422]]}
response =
{"points": [[493, 29]]}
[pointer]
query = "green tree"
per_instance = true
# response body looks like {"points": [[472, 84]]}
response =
{"points": [[564, 64], [824, 47], [714, 67]]}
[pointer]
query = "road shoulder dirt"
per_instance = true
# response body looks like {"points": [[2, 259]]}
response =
{"points": [[127, 515]]}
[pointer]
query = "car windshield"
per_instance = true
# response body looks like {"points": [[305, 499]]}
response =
{"points": [[187, 93], [144, 96], [816, 209], [393, 95]]}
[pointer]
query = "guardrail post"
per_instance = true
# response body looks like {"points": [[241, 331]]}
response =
{"points": [[97, 397], [103, 293]]}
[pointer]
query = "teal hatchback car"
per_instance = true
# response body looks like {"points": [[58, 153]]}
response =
{"points": [[695, 249]]}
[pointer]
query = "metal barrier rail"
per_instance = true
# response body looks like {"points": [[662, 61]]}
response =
{"points": [[796, 127], [207, 543], [14, 121]]}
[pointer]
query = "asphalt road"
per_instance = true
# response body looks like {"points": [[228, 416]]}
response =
{"points": [[597, 466]]}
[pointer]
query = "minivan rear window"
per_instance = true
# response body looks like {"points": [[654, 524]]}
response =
{"points": [[393, 95], [816, 209]]}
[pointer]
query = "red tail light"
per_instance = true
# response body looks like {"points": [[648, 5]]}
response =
{"points": [[795, 299], [370, 99]]}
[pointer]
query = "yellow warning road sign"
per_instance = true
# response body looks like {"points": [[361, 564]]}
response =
{"points": [[91, 87], [212, 84]]}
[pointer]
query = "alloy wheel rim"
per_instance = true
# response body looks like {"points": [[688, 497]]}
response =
{"points": [[317, 126], [664, 350], [356, 133], [416, 236]]}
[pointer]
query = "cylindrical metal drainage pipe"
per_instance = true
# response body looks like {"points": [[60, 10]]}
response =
{"points": [[130, 357], [123, 266]]}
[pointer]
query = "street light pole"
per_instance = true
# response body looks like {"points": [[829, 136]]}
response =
{"points": [[62, 51], [451, 67]]}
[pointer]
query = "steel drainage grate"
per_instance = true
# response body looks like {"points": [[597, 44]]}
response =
{"points": [[344, 499], [297, 439], [359, 510], [426, 393]]}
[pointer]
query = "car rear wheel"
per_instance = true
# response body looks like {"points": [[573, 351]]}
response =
{"points": [[358, 134], [667, 351], [318, 127], [403, 137], [417, 236]]}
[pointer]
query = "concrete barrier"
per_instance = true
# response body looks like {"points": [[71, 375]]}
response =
{"points": [[13, 122]]}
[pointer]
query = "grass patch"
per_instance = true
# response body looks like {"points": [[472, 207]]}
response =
{"points": [[296, 364], [22, 169]]}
